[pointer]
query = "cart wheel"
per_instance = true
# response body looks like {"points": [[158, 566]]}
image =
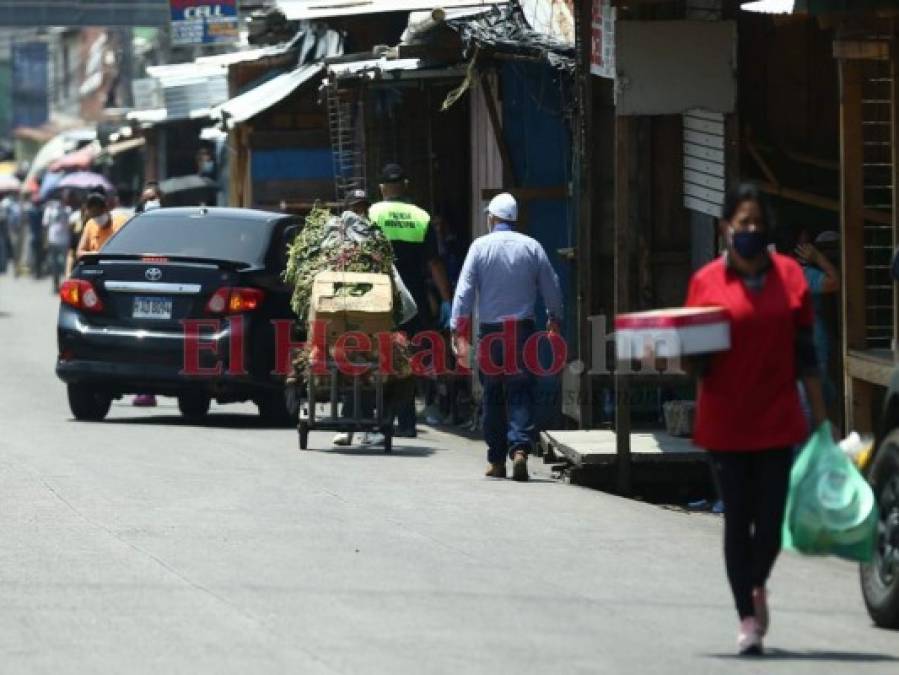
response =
{"points": [[388, 440], [303, 429]]}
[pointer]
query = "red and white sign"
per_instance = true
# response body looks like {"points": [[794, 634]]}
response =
{"points": [[602, 53], [669, 333]]}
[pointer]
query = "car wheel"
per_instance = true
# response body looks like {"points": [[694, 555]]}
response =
{"points": [[194, 406], [280, 408], [880, 578], [87, 404]]}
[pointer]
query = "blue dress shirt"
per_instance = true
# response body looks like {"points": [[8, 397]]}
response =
{"points": [[506, 269]]}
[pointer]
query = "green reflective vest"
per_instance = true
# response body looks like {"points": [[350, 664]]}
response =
{"points": [[400, 221]]}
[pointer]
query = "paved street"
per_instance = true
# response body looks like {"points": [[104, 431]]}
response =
{"points": [[146, 545]]}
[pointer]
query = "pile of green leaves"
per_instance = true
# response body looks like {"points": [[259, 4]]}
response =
{"points": [[334, 243]]}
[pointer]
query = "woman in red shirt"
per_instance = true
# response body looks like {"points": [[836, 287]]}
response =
{"points": [[749, 415]]}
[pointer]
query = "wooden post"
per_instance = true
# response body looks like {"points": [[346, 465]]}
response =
{"points": [[622, 284], [497, 127], [894, 140], [582, 138], [858, 395]]}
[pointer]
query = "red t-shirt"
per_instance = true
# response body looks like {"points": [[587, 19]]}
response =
{"points": [[748, 400]]}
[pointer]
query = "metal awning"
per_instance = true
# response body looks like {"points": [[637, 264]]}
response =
{"points": [[251, 103], [391, 69], [296, 10], [115, 149], [147, 118], [816, 6]]}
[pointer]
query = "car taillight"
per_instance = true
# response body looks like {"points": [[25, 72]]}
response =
{"points": [[80, 294], [234, 300]]}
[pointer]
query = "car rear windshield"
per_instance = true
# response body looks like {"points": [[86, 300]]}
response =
{"points": [[232, 239]]}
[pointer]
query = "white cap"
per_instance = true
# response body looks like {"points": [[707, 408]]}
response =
{"points": [[504, 207], [827, 237]]}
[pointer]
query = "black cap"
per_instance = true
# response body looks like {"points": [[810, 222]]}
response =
{"points": [[392, 173]]}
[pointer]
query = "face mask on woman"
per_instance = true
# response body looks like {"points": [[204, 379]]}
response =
{"points": [[749, 244], [152, 204], [102, 220]]}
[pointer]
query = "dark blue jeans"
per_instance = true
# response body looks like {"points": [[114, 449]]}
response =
{"points": [[508, 397]]}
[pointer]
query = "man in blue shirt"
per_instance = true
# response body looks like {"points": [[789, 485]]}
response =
{"points": [[505, 270]]}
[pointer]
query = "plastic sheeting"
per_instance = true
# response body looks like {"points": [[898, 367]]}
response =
{"points": [[505, 29]]}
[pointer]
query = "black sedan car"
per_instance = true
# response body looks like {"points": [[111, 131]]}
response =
{"points": [[180, 302]]}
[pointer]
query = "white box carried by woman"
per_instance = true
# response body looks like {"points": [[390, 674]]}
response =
{"points": [[669, 333]]}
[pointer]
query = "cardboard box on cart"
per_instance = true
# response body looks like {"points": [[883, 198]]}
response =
{"points": [[352, 301]]}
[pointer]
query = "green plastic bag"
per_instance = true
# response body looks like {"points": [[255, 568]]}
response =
{"points": [[831, 508]]}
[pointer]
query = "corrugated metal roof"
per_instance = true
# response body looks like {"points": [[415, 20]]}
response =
{"points": [[190, 70], [186, 98], [322, 9], [355, 68], [147, 117], [251, 54], [770, 6], [251, 103]]}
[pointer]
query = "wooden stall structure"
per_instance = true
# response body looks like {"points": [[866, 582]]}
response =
{"points": [[867, 53], [662, 99]]}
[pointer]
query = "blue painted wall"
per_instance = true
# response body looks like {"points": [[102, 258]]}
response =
{"points": [[292, 164], [539, 142]]}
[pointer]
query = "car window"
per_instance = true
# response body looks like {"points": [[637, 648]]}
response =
{"points": [[203, 237]]}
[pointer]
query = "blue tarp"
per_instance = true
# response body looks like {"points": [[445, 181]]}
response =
{"points": [[539, 143]]}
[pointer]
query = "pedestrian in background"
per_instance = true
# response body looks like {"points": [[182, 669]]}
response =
{"points": [[414, 242], [505, 270], [34, 220], [749, 415], [823, 280], [101, 224], [150, 198], [56, 223], [6, 247]]}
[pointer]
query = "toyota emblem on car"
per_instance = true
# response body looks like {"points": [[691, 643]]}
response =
{"points": [[153, 274]]}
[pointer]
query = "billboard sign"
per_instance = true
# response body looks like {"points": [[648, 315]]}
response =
{"points": [[30, 84], [602, 52], [204, 22]]}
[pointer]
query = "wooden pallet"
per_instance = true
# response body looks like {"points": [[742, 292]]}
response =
{"points": [[597, 447]]}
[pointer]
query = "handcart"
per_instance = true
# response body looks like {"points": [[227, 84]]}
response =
{"points": [[350, 302], [335, 388]]}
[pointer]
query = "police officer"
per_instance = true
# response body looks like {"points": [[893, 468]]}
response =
{"points": [[414, 241]]}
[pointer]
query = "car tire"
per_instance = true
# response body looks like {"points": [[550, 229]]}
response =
{"points": [[194, 406], [279, 409], [880, 578], [87, 403]]}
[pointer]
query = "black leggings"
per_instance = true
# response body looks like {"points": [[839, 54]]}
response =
{"points": [[754, 490]]}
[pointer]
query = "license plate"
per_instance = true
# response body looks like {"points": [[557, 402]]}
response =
{"points": [[152, 308]]}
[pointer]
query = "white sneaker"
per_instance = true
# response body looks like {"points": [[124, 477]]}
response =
{"points": [[343, 439], [749, 639], [373, 438]]}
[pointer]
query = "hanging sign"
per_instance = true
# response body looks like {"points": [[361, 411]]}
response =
{"points": [[602, 52], [204, 22]]}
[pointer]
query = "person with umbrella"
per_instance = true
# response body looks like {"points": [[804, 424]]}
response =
{"points": [[56, 223], [101, 225]]}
